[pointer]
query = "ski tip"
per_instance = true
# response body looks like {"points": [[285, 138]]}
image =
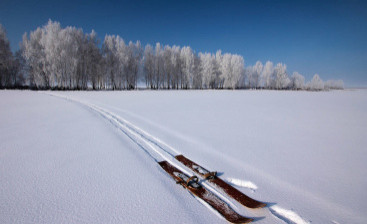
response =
{"points": [[256, 206], [178, 156], [261, 205], [162, 163]]}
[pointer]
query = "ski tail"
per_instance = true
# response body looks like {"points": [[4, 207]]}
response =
{"points": [[219, 183], [208, 197]]}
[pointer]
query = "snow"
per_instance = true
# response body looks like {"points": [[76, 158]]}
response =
{"points": [[287, 215], [90, 157], [242, 183]]}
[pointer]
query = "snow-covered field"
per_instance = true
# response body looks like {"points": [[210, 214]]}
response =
{"points": [[89, 157]]}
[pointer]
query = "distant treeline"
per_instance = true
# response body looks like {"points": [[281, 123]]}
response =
{"points": [[52, 57]]}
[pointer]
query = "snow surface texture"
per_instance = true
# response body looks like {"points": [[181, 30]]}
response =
{"points": [[61, 162]]}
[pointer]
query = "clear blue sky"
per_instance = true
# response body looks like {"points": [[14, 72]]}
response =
{"points": [[324, 37]]}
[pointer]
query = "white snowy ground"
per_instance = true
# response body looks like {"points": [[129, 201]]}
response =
{"points": [[87, 157]]}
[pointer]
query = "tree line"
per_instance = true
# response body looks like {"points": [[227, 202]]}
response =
{"points": [[52, 57]]}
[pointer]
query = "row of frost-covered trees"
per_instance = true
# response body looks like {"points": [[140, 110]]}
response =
{"points": [[53, 57]]}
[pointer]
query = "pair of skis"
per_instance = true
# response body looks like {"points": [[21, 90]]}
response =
{"points": [[191, 184]]}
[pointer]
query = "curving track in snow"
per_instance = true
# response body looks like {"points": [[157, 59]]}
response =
{"points": [[159, 150]]}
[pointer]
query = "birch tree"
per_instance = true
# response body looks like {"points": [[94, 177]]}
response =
{"points": [[267, 75], [316, 83], [281, 77], [187, 57], [297, 81], [253, 74], [149, 66], [176, 62]]}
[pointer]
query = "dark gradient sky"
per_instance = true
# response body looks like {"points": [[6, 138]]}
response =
{"points": [[324, 37]]}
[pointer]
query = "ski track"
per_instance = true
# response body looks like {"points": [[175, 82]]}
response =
{"points": [[157, 147], [288, 216], [144, 140], [173, 132], [242, 183]]}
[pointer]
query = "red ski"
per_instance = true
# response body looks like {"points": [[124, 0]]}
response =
{"points": [[191, 184], [228, 189]]}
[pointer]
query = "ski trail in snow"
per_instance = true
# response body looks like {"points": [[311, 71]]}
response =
{"points": [[141, 138], [147, 121], [144, 134], [156, 141], [151, 145], [242, 183], [287, 216], [169, 157]]}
